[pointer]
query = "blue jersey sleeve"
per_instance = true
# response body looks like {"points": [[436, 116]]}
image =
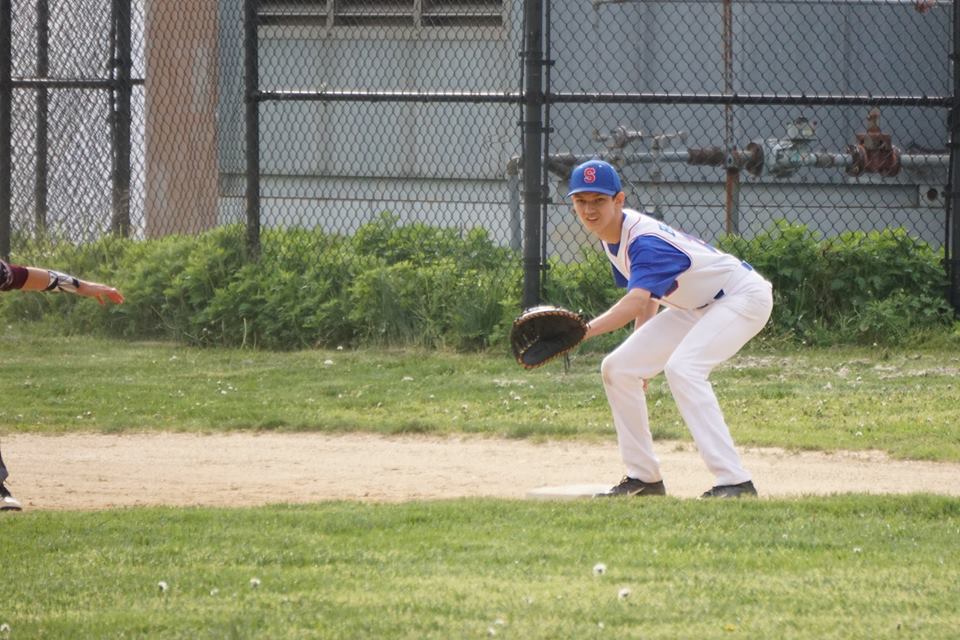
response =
{"points": [[655, 265]]}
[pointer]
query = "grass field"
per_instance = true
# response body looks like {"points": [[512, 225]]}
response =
{"points": [[902, 402], [849, 567], [839, 567]]}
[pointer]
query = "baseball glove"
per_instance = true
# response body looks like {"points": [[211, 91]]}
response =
{"points": [[545, 332]]}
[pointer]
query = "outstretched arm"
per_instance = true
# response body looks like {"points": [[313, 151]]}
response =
{"points": [[46, 280]]}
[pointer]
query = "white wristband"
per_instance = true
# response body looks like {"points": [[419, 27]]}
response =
{"points": [[62, 282]]}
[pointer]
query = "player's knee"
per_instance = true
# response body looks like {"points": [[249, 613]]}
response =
{"points": [[678, 369], [610, 368]]}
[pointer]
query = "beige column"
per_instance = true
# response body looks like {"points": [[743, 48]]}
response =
{"points": [[181, 116]]}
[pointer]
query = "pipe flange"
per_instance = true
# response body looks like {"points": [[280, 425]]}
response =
{"points": [[858, 160], [754, 159]]}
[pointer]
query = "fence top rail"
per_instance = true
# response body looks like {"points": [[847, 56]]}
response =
{"points": [[345, 95], [72, 83], [919, 5], [755, 99]]}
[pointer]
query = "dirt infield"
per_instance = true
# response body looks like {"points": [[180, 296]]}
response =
{"points": [[106, 471]]}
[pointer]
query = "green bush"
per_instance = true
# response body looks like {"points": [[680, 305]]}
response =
{"points": [[432, 286], [293, 297], [858, 287], [392, 284], [437, 304], [387, 285], [170, 282]]}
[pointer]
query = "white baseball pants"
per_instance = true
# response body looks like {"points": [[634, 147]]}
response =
{"points": [[686, 346]]}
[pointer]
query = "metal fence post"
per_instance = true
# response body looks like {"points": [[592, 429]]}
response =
{"points": [[251, 76], [533, 99], [43, 69], [121, 93], [6, 123], [952, 241]]}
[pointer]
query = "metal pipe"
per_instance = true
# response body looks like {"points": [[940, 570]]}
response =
{"points": [[715, 157], [732, 202], [925, 160], [728, 71], [513, 195], [657, 156], [819, 159], [732, 183], [827, 159], [706, 156]]}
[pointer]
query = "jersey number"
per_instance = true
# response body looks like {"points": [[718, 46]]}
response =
{"points": [[673, 232]]}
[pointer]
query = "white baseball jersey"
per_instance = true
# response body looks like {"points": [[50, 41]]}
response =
{"points": [[679, 270], [718, 304]]}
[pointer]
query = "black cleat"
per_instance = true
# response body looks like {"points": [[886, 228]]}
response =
{"points": [[633, 487], [744, 489], [7, 501]]}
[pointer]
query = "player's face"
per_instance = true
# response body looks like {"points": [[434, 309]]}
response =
{"points": [[599, 213]]}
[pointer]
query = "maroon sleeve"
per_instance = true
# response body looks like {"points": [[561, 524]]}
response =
{"points": [[12, 276]]}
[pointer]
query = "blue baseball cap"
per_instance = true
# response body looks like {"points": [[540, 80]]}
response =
{"points": [[595, 176]]}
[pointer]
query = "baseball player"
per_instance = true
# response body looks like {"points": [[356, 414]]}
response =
{"points": [[14, 276], [713, 304]]}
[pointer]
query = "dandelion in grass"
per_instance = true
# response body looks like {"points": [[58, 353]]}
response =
{"points": [[5, 629], [599, 569], [406, 379], [624, 593], [327, 362], [214, 591], [163, 586], [255, 582]]}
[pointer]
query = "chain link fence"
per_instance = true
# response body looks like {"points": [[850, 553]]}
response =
{"points": [[150, 118], [829, 113]]}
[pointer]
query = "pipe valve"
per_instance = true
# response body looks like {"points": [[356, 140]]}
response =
{"points": [[874, 151]]}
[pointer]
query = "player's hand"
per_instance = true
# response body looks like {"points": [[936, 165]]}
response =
{"points": [[100, 291]]}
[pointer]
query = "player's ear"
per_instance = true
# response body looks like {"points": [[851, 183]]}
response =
{"points": [[620, 198]]}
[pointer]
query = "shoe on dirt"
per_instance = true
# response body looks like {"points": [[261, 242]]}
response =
{"points": [[742, 490], [634, 487]]}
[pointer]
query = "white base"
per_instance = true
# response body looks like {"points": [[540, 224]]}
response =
{"points": [[567, 491]]}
